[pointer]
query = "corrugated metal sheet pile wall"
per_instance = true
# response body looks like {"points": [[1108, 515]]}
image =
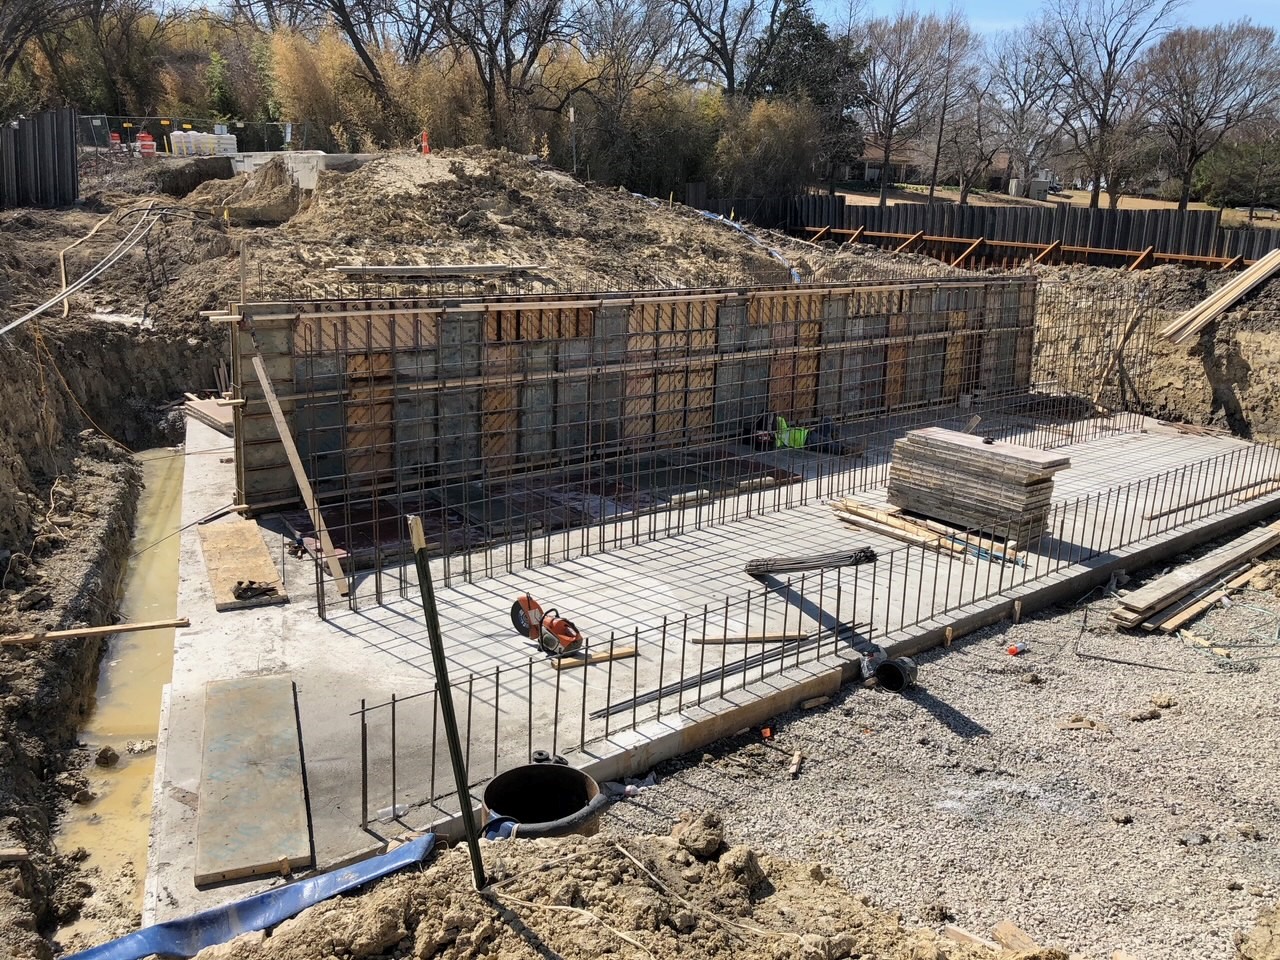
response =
{"points": [[38, 161]]}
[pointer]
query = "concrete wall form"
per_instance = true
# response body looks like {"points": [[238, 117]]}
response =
{"points": [[403, 394]]}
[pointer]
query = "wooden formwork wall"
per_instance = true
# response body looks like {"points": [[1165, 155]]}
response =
{"points": [[409, 392]]}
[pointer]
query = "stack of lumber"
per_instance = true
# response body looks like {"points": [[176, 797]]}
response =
{"points": [[1179, 596], [1213, 306], [1000, 488]]}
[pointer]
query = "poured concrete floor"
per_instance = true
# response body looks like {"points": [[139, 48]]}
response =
{"points": [[510, 698]]}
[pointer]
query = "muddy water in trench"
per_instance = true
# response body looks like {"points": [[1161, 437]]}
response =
{"points": [[114, 827]]}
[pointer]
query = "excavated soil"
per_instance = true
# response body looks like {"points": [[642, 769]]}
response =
{"points": [[689, 896], [1228, 376]]}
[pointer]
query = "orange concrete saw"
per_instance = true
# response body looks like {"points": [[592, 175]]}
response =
{"points": [[553, 633]]}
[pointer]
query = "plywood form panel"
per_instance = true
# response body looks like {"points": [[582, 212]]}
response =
{"points": [[537, 417], [806, 387], [669, 406], [501, 423], [782, 384], [700, 415], [895, 375], [459, 429], [638, 406], [702, 326], [607, 397], [573, 411]]}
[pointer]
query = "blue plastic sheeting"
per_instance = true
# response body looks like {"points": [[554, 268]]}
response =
{"points": [[190, 935]]}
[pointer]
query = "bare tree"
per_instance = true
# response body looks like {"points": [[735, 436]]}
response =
{"points": [[1096, 46], [1025, 92], [1203, 83], [974, 136], [727, 30], [272, 15], [902, 73], [503, 39], [22, 21], [958, 69]]}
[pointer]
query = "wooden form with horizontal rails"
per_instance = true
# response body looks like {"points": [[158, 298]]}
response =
{"points": [[392, 395]]}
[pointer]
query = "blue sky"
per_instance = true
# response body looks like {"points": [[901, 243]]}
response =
{"points": [[993, 15]]}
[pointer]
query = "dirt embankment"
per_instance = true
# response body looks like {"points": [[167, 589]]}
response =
{"points": [[67, 500], [1228, 377], [687, 897]]}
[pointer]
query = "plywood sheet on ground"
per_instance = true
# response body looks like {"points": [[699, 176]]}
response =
{"points": [[252, 817], [234, 552]]}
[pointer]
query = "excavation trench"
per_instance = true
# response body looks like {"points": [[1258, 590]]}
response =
{"points": [[114, 827]]}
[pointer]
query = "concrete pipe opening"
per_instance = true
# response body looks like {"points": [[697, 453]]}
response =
{"points": [[546, 800], [897, 674]]}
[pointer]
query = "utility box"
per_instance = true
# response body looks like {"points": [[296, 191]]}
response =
{"points": [[1039, 189]]}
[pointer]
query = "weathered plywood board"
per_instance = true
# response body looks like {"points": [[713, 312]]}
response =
{"points": [[234, 551], [252, 817], [212, 415]]}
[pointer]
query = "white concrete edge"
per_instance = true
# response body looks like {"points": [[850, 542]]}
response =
{"points": [[150, 891]]}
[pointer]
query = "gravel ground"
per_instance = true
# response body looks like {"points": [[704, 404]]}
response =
{"points": [[965, 801]]}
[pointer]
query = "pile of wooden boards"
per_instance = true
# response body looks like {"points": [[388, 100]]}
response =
{"points": [[1221, 300], [1179, 596], [1003, 489]]}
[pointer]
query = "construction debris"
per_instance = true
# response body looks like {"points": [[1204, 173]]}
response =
{"points": [[1216, 572], [975, 483]]}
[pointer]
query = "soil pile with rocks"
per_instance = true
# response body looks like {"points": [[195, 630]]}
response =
{"points": [[690, 896]]}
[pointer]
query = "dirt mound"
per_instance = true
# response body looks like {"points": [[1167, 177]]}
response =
{"points": [[474, 206], [1263, 941], [583, 898], [268, 196]]}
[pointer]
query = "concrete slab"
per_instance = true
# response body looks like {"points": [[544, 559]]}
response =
{"points": [[656, 594], [252, 814]]}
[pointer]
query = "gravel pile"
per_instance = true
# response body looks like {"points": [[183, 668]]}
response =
{"points": [[1105, 790]]}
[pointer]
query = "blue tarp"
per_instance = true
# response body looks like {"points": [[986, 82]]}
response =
{"points": [[190, 935]]}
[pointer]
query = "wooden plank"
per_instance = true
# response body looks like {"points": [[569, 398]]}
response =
{"points": [[299, 474], [961, 935], [762, 638], [1012, 937], [21, 639], [252, 815], [1131, 326], [234, 552], [213, 413], [1193, 610], [899, 522], [821, 233], [573, 660], [1178, 583]]}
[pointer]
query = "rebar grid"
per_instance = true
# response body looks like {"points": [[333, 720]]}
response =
{"points": [[527, 433], [583, 711]]}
